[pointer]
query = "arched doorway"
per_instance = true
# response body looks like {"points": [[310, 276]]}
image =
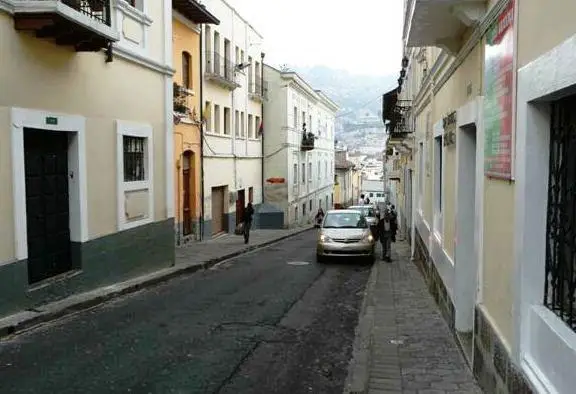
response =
{"points": [[189, 189]]}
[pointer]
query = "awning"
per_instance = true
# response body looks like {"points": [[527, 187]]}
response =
{"points": [[389, 101], [194, 11]]}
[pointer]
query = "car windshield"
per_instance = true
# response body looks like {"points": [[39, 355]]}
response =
{"points": [[344, 220], [366, 211]]}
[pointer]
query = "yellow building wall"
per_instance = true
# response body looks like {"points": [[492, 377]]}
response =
{"points": [[452, 95], [39, 74], [187, 136], [533, 38]]}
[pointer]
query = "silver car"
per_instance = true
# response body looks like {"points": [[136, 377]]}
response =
{"points": [[369, 212], [345, 233]]}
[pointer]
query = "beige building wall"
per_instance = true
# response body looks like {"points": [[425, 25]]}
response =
{"points": [[40, 75], [539, 31], [462, 86]]}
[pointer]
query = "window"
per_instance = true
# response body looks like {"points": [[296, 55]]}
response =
{"points": [[310, 172], [295, 118], [310, 205], [319, 170], [250, 194], [296, 213], [138, 4], [242, 125], [257, 126], [250, 72], [227, 120], [295, 174], [134, 147], [310, 123], [208, 116], [237, 56], [186, 70], [217, 119], [237, 123], [303, 173], [303, 209], [250, 126], [134, 159], [241, 56], [371, 195], [561, 214], [320, 203], [326, 169]]}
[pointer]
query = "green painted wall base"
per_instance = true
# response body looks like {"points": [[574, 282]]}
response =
{"points": [[100, 262]]}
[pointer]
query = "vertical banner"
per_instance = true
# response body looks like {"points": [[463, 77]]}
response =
{"points": [[498, 96]]}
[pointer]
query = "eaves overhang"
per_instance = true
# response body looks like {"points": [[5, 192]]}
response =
{"points": [[441, 23]]}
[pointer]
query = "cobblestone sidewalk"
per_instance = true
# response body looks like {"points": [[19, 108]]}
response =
{"points": [[410, 349]]}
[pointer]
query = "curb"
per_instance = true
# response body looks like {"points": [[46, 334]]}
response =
{"points": [[31, 318], [359, 367]]}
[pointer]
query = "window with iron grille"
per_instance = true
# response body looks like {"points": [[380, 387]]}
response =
{"points": [[560, 284], [134, 159]]}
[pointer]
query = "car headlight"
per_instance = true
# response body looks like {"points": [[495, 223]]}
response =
{"points": [[325, 238], [368, 238]]}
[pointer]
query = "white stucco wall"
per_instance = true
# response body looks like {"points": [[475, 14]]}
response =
{"points": [[232, 160], [287, 91]]}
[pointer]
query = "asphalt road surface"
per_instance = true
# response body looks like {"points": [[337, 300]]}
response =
{"points": [[254, 324]]}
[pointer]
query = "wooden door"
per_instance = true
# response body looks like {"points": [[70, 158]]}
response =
{"points": [[217, 210], [47, 204], [240, 204], [188, 202]]}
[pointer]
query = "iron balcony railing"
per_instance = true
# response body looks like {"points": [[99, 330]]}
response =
{"points": [[98, 10], [220, 66], [259, 89]]}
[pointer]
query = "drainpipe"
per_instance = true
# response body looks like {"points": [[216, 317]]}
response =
{"points": [[262, 122], [201, 130]]}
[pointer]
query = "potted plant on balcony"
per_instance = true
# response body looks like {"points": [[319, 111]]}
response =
{"points": [[180, 104]]}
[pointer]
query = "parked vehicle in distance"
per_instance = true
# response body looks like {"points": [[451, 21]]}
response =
{"points": [[345, 233], [369, 213]]}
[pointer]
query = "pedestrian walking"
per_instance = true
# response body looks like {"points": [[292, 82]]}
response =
{"points": [[247, 220], [385, 235], [319, 217], [361, 200], [393, 222]]}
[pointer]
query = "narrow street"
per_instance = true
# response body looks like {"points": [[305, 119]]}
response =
{"points": [[270, 321]]}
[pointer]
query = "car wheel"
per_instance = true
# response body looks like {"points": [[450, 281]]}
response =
{"points": [[320, 258]]}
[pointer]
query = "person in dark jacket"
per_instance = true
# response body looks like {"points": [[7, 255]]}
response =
{"points": [[385, 235], [247, 219], [393, 223]]}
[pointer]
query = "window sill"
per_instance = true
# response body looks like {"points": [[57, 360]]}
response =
{"points": [[218, 135]]}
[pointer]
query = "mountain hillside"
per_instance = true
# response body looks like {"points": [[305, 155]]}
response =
{"points": [[357, 95]]}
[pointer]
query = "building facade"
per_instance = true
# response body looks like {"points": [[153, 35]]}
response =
{"points": [[188, 16], [233, 93], [86, 114], [491, 103], [345, 178], [298, 147]]}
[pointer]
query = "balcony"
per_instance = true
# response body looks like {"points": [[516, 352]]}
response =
{"points": [[400, 125], [258, 92], [440, 23], [82, 24], [182, 106], [307, 143], [220, 70]]}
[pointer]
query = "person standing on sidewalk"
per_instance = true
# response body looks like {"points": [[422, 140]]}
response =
{"points": [[247, 219], [393, 223], [385, 234]]}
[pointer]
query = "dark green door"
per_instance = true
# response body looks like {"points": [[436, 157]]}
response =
{"points": [[47, 209]]}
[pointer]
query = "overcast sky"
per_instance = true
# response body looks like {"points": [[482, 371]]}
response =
{"points": [[361, 36]]}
